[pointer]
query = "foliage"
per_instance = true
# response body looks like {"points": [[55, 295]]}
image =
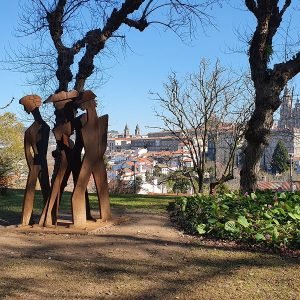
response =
{"points": [[5, 168], [280, 159], [222, 188], [118, 187], [148, 177], [265, 218], [181, 185], [157, 171], [11, 147], [125, 187], [137, 184]]}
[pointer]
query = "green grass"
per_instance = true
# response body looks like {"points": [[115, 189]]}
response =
{"points": [[11, 203]]}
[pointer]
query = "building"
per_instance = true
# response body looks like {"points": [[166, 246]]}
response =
{"points": [[287, 130], [137, 131], [126, 132], [289, 114]]}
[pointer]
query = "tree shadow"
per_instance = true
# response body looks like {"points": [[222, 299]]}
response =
{"points": [[155, 268]]}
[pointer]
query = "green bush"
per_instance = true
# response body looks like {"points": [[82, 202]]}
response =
{"points": [[268, 218]]}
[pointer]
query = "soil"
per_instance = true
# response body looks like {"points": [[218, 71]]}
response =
{"points": [[142, 257]]}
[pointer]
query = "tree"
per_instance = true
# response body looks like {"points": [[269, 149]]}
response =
{"points": [[181, 185], [11, 147], [268, 83], [198, 109], [136, 185], [148, 177], [280, 159], [76, 42]]}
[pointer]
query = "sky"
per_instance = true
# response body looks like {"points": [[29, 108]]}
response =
{"points": [[153, 54]]}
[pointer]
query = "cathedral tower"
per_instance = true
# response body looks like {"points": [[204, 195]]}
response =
{"points": [[285, 120], [137, 130], [126, 131]]}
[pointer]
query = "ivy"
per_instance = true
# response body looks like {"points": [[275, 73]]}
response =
{"points": [[271, 219]]}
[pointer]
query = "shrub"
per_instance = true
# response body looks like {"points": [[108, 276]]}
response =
{"points": [[265, 218], [222, 188]]}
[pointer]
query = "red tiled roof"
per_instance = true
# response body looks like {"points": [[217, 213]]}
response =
{"points": [[277, 185]]}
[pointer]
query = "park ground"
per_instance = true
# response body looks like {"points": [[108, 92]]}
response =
{"points": [[144, 257]]}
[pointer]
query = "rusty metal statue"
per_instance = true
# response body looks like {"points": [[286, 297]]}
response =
{"points": [[77, 160], [94, 137], [62, 131], [36, 145]]}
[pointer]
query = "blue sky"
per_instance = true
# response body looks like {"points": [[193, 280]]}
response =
{"points": [[155, 53]]}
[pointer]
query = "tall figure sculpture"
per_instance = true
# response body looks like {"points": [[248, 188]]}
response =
{"points": [[62, 131], [94, 136], [36, 146], [76, 159]]}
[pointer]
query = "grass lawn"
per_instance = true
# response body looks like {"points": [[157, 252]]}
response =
{"points": [[11, 203]]}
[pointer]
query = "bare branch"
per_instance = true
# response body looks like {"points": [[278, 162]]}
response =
{"points": [[206, 106], [8, 104], [252, 6]]}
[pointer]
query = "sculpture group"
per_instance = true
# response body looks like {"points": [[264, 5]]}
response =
{"points": [[90, 139]]}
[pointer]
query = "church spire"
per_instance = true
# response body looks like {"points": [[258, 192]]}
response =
{"points": [[286, 109], [126, 131], [137, 131]]}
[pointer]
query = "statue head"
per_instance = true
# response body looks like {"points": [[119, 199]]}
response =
{"points": [[60, 99], [31, 102], [85, 99], [65, 110]]}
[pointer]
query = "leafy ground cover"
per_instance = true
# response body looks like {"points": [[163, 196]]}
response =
{"points": [[265, 218]]}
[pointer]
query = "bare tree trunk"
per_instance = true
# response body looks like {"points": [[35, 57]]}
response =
{"points": [[200, 182], [212, 188], [223, 179], [256, 135], [252, 154]]}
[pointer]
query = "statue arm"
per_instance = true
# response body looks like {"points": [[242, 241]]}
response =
{"points": [[103, 126], [83, 119], [67, 141], [27, 146], [44, 139]]}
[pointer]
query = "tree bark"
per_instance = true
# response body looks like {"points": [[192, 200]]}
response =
{"points": [[268, 83], [257, 134], [200, 182]]}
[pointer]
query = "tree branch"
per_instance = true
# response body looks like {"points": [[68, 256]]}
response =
{"points": [[252, 6]]}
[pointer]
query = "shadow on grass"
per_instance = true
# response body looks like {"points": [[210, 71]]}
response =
{"points": [[11, 204]]}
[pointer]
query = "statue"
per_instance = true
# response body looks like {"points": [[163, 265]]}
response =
{"points": [[94, 137], [76, 159], [36, 140], [62, 131], [91, 135]]}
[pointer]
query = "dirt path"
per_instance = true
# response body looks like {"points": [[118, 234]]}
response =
{"points": [[143, 258]]}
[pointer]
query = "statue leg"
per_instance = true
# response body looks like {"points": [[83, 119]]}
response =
{"points": [[87, 207], [49, 214], [75, 171], [78, 196], [100, 178], [29, 195], [48, 217], [44, 182]]}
